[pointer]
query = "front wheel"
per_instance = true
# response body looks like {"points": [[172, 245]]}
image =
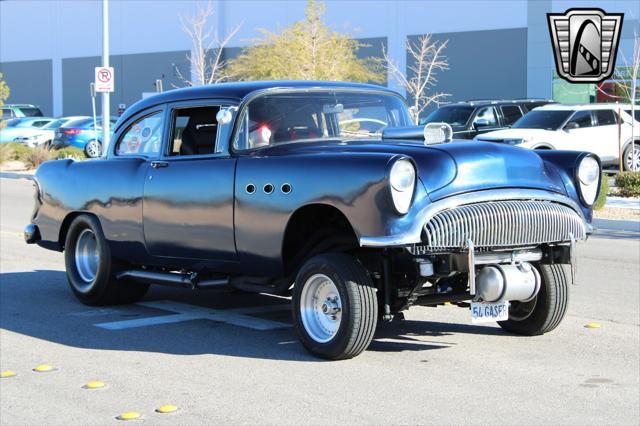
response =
{"points": [[547, 309], [632, 157], [93, 149], [90, 268], [335, 308]]}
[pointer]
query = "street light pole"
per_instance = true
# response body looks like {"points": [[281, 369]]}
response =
{"points": [[105, 63]]}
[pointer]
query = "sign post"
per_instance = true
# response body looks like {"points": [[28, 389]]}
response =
{"points": [[105, 66], [92, 90]]}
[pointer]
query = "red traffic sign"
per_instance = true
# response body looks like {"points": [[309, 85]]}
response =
{"points": [[104, 79]]}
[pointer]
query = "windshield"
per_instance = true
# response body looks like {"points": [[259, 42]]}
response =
{"points": [[453, 115], [31, 111], [55, 123], [542, 119], [297, 117]]}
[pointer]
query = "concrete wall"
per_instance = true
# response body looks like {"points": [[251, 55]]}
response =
{"points": [[30, 82]]}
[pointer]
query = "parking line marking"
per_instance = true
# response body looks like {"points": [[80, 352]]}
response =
{"points": [[185, 312]]}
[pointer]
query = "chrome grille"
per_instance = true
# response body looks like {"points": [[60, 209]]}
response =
{"points": [[503, 224]]}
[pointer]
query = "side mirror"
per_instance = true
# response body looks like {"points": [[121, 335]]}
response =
{"points": [[571, 125], [224, 116], [481, 122]]}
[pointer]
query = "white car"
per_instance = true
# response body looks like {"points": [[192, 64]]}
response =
{"points": [[593, 128], [32, 136]]}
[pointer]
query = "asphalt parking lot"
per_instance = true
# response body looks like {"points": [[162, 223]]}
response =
{"points": [[224, 357]]}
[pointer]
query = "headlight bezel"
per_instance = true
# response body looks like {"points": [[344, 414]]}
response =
{"points": [[587, 191], [401, 195]]}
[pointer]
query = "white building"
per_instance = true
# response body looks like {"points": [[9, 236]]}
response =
{"points": [[497, 49]]}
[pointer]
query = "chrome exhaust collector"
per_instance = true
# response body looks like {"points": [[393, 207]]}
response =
{"points": [[497, 283]]}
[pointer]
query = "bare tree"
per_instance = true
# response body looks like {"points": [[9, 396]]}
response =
{"points": [[205, 60], [421, 78]]}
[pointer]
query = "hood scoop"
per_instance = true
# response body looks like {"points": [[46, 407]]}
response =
{"points": [[431, 134]]}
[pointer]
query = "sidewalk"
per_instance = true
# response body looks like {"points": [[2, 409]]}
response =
{"points": [[623, 203]]}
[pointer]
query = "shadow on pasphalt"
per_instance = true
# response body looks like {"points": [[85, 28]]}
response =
{"points": [[39, 304]]}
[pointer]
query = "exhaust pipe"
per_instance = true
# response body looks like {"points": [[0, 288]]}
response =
{"points": [[172, 279], [497, 283]]}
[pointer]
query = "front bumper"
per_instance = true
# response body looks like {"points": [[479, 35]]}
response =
{"points": [[413, 231]]}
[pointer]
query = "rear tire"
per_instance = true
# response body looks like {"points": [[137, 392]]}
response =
{"points": [[90, 267], [93, 149], [335, 308], [547, 309]]}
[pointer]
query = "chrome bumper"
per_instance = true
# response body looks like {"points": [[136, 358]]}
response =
{"points": [[563, 209]]}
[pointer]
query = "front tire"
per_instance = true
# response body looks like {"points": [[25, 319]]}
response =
{"points": [[632, 158], [547, 309], [90, 268], [335, 308]]}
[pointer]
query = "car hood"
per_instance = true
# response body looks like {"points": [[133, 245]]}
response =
{"points": [[450, 168], [516, 133]]}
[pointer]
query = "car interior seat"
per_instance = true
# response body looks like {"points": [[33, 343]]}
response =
{"points": [[199, 136]]}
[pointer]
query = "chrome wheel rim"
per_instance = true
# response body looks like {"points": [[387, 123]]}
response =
{"points": [[320, 308], [93, 149], [87, 257], [633, 159]]}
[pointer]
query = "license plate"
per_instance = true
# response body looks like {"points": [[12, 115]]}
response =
{"points": [[482, 312]]}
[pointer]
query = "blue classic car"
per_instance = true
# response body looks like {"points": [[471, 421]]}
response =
{"points": [[325, 190]]}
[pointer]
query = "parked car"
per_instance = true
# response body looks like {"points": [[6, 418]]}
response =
{"points": [[44, 135], [592, 127], [256, 185], [81, 134], [17, 126], [471, 118], [9, 111]]}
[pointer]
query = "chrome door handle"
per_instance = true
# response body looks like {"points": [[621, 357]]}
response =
{"points": [[159, 164]]}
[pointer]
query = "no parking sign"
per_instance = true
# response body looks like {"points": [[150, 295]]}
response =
{"points": [[104, 79]]}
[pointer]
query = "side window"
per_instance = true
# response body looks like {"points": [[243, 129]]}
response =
{"points": [[144, 137], [488, 114], [194, 131], [582, 119], [511, 114], [605, 117]]}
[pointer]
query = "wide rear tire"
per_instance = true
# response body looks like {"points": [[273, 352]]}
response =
{"points": [[547, 309], [90, 267], [335, 309]]}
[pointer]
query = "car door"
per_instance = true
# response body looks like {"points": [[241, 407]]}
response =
{"points": [[189, 190], [606, 129], [578, 133]]}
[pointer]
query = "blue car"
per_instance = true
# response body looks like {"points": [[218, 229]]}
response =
{"points": [[80, 133], [326, 190]]}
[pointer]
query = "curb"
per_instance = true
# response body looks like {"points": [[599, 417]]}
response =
{"points": [[16, 175]]}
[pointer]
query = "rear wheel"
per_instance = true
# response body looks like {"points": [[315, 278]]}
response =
{"points": [[335, 309], [632, 157], [93, 149], [547, 309], [90, 268]]}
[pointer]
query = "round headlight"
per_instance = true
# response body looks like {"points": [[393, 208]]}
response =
{"points": [[589, 171], [402, 176], [588, 179], [402, 181]]}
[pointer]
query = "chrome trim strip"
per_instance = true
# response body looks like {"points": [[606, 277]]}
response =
{"points": [[413, 233]]}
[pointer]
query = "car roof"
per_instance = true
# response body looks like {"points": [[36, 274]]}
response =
{"points": [[239, 90], [580, 107], [485, 102]]}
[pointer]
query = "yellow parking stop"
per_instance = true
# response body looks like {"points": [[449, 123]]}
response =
{"points": [[43, 368], [167, 409], [129, 415], [7, 374], [95, 384], [592, 325]]}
